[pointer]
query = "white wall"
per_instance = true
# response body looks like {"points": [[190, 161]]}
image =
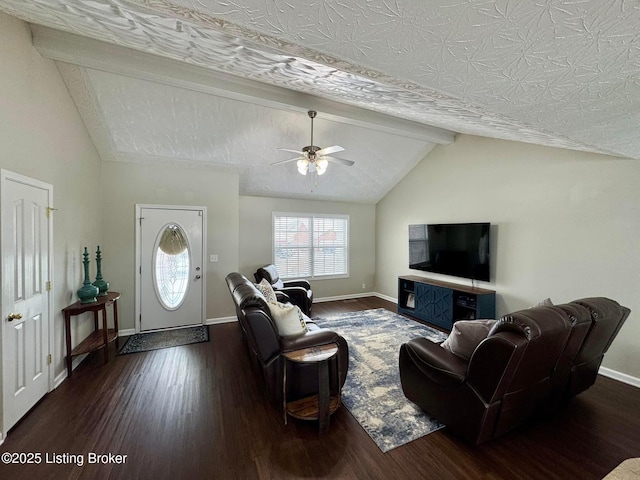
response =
{"points": [[125, 185], [256, 248], [565, 225], [43, 137]]}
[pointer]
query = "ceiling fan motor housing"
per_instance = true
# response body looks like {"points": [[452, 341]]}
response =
{"points": [[311, 150]]}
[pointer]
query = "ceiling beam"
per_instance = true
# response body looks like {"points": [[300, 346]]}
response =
{"points": [[99, 55]]}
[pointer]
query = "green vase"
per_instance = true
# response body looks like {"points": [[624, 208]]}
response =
{"points": [[100, 283], [87, 293]]}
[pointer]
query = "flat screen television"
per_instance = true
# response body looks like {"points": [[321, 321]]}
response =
{"points": [[457, 249]]}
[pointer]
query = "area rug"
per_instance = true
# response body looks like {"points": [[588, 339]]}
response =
{"points": [[372, 391], [627, 470], [143, 342]]}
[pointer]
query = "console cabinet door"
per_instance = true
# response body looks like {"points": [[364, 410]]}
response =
{"points": [[442, 301], [423, 296], [434, 305]]}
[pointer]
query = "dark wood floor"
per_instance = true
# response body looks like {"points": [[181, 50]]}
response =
{"points": [[198, 412]]}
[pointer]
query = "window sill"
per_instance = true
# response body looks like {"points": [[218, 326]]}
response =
{"points": [[323, 277]]}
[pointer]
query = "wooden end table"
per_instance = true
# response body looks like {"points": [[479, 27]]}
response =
{"points": [[316, 407], [101, 336]]}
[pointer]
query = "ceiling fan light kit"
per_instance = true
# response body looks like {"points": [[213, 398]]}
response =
{"points": [[303, 166], [314, 159]]}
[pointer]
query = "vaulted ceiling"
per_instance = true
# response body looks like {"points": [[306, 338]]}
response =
{"points": [[223, 84]]}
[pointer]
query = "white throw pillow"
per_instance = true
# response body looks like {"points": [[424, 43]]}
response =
{"points": [[288, 319], [267, 290], [466, 335]]}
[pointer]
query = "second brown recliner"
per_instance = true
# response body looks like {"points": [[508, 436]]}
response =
{"points": [[530, 363], [299, 291]]}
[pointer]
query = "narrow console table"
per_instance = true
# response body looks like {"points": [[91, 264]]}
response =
{"points": [[316, 407], [101, 336], [442, 303]]}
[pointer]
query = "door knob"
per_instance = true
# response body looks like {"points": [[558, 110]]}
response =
{"points": [[14, 316], [198, 277]]}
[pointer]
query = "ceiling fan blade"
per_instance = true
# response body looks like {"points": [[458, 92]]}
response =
{"points": [[341, 161], [329, 150], [299, 152], [287, 161]]}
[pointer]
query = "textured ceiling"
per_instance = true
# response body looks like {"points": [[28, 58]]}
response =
{"points": [[558, 73], [150, 122]]}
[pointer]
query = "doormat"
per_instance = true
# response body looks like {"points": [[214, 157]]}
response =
{"points": [[372, 392], [143, 342]]}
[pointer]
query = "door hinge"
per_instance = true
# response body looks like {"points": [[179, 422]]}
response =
{"points": [[49, 360], [48, 286]]}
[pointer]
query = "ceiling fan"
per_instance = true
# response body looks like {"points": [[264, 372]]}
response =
{"points": [[312, 158]]}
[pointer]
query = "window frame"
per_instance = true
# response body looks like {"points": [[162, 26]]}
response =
{"points": [[312, 217]]}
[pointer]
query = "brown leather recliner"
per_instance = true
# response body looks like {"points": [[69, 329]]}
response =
{"points": [[607, 317], [265, 346], [530, 363], [299, 291]]}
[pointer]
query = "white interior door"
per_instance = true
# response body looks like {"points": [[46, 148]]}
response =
{"points": [[171, 261], [25, 297]]}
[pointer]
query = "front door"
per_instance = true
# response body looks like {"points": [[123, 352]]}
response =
{"points": [[26, 244], [171, 259]]}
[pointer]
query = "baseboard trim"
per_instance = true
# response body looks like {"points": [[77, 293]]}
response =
{"points": [[216, 321], [126, 332], [621, 377], [209, 321], [343, 297], [355, 295], [386, 297], [63, 375], [59, 379]]}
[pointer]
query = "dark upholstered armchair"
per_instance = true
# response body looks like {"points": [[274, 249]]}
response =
{"points": [[530, 363], [298, 291]]}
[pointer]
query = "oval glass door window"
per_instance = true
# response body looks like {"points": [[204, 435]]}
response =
{"points": [[172, 266]]}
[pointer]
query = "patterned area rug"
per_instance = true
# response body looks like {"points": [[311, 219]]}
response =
{"points": [[372, 392], [142, 342]]}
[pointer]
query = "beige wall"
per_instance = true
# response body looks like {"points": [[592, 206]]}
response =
{"points": [[43, 137], [125, 185], [565, 225], [256, 240]]}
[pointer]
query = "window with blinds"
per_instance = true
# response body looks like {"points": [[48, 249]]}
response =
{"points": [[310, 245]]}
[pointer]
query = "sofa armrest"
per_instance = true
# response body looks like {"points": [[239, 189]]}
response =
{"points": [[438, 364], [308, 339], [282, 297], [493, 364], [298, 283], [298, 296]]}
